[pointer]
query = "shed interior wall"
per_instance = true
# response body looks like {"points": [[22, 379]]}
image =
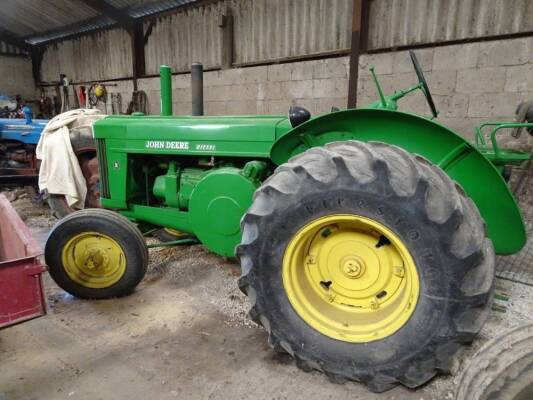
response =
{"points": [[17, 78], [471, 82]]}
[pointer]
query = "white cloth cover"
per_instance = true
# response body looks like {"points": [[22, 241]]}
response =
{"points": [[60, 171]]}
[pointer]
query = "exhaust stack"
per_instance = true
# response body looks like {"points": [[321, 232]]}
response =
{"points": [[197, 88]]}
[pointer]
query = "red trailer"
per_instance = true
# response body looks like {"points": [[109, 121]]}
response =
{"points": [[21, 287]]}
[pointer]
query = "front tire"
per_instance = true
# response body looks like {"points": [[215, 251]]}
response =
{"points": [[365, 190], [96, 254]]}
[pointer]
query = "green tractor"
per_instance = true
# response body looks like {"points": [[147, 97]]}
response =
{"points": [[366, 236]]}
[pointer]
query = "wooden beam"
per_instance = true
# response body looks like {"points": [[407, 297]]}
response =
{"points": [[359, 42], [36, 63], [112, 12], [134, 28], [12, 39], [226, 24], [137, 51]]}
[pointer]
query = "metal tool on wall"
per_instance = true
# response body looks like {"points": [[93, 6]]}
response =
{"points": [[116, 103], [97, 94], [64, 83]]}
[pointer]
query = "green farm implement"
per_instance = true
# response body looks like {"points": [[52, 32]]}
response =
{"points": [[366, 236]]}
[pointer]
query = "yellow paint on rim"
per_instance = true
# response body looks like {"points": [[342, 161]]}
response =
{"points": [[351, 278], [174, 232], [93, 260]]}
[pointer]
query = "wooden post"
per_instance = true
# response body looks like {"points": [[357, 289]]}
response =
{"points": [[359, 42], [36, 62], [226, 24], [137, 47]]}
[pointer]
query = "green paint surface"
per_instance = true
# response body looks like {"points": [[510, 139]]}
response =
{"points": [[132, 143]]}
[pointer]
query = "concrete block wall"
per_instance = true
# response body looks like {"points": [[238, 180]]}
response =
{"points": [[16, 77], [471, 83], [317, 85]]}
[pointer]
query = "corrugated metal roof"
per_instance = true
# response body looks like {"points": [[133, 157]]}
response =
{"points": [[6, 48], [69, 30], [155, 7], [28, 17], [84, 19], [130, 3]]}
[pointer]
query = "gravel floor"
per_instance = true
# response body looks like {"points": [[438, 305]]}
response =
{"points": [[183, 334]]}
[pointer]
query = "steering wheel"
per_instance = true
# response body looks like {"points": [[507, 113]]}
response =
{"points": [[422, 80]]}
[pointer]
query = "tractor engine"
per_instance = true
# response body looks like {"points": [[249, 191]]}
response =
{"points": [[214, 193]]}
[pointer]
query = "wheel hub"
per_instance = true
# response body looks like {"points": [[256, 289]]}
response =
{"points": [[350, 278], [93, 260], [352, 267]]}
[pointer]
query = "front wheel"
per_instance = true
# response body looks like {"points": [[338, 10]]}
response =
{"points": [[367, 263], [96, 254]]}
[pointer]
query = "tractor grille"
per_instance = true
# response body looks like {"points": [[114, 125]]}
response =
{"points": [[519, 267], [102, 166]]}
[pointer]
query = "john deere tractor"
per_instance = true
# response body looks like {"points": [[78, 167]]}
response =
{"points": [[366, 236]]}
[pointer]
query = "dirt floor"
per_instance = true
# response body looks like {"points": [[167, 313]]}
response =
{"points": [[183, 334]]}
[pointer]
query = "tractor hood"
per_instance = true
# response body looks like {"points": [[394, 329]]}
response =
{"points": [[22, 131], [246, 136]]}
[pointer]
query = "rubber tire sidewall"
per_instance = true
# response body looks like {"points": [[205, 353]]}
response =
{"points": [[500, 370], [438, 224], [135, 253], [430, 315]]}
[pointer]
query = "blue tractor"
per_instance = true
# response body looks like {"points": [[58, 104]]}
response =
{"points": [[19, 165], [18, 140]]}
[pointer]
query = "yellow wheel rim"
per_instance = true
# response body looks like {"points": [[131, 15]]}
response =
{"points": [[350, 278], [174, 232], [93, 260]]}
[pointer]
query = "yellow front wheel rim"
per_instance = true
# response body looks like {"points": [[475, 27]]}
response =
{"points": [[93, 260], [350, 278]]}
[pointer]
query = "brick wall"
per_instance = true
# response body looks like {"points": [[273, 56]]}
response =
{"points": [[470, 83]]}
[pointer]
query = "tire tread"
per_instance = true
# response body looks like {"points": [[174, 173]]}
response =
{"points": [[408, 176]]}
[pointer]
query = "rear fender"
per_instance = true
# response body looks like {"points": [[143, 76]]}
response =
{"points": [[457, 157]]}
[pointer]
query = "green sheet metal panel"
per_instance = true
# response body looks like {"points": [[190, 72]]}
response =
{"points": [[461, 160], [272, 137]]}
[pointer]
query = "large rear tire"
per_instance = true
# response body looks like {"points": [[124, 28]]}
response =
{"points": [[96, 254], [502, 369], [367, 263]]}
